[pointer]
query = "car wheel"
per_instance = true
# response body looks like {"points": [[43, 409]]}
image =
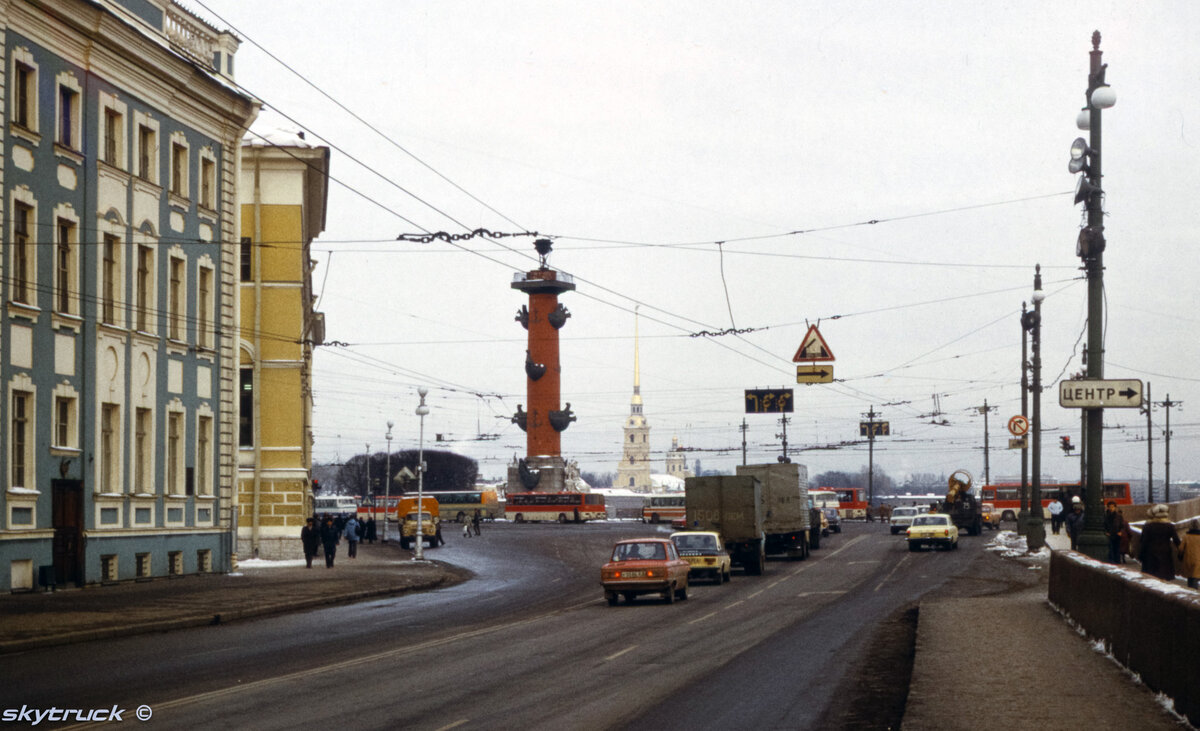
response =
{"points": [[913, 547], [895, 530], [683, 593], [954, 545], [611, 598], [669, 595]]}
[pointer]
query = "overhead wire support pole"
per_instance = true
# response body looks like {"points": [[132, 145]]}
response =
{"points": [[871, 453], [1167, 447], [1023, 514], [784, 459], [1149, 408], [743, 428], [987, 479]]}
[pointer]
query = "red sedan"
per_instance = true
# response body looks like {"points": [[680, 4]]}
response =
{"points": [[645, 566]]}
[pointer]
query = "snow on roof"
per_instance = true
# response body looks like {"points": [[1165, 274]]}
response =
{"points": [[667, 483]]}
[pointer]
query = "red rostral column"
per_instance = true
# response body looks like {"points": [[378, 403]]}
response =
{"points": [[543, 317]]}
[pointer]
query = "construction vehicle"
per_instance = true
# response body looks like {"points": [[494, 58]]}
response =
{"points": [[962, 505]]}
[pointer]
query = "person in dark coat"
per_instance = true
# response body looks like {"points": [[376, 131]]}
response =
{"points": [[1159, 544], [329, 538], [370, 529], [310, 538], [1074, 522], [1114, 526], [476, 519]]}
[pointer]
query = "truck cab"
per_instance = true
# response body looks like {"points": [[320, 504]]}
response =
{"points": [[430, 521]]}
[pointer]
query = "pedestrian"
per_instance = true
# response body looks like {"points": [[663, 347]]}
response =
{"points": [[371, 529], [329, 539], [476, 519], [1126, 534], [466, 529], [1189, 555], [310, 538], [1158, 534], [1074, 521], [1056, 515], [1114, 525], [351, 533]]}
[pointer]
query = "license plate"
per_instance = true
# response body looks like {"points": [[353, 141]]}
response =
{"points": [[633, 574]]}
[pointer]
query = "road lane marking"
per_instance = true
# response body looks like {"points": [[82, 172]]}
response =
{"points": [[731, 606], [755, 594], [894, 568], [456, 724], [701, 619], [615, 655], [813, 593]]}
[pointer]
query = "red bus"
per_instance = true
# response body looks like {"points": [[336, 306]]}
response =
{"points": [[375, 508], [1006, 496], [665, 509], [576, 507], [852, 502]]}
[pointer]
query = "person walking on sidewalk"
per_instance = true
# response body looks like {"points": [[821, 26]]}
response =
{"points": [[476, 519], [351, 533], [310, 538], [1189, 555], [1056, 515], [1075, 522], [1114, 525], [330, 536], [1159, 544]]}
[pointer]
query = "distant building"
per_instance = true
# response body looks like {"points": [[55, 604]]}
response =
{"points": [[633, 472], [677, 461], [283, 197], [117, 348]]}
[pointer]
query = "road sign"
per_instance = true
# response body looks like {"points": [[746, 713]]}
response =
{"points": [[1018, 426], [878, 428], [769, 401], [813, 348], [814, 374], [1105, 394], [1017, 443]]}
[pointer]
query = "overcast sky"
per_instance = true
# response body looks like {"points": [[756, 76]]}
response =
{"points": [[892, 171]]}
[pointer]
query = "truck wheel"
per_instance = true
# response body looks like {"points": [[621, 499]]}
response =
{"points": [[629, 596], [759, 563], [611, 598], [814, 540], [404, 543]]}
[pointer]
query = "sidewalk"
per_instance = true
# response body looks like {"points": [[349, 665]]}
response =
{"points": [[75, 615], [1010, 661]]}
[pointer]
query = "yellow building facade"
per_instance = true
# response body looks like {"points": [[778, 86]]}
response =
{"points": [[283, 200]]}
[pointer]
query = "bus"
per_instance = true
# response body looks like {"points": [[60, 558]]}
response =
{"points": [[531, 507], [376, 506], [852, 503], [335, 504], [824, 497], [460, 505], [1005, 497], [665, 509]]}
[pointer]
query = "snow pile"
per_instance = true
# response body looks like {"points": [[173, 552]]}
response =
{"points": [[1010, 545], [262, 563]]}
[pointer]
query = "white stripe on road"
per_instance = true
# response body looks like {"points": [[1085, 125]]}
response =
{"points": [[615, 655]]}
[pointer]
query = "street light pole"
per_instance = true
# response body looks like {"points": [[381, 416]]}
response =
{"points": [[1035, 529], [422, 410], [1087, 158], [367, 489], [1023, 515], [387, 483]]}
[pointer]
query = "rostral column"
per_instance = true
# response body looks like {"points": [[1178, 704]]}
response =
{"points": [[543, 469]]}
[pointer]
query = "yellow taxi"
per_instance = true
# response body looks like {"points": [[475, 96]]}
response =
{"points": [[991, 519], [705, 552], [645, 566], [932, 529]]}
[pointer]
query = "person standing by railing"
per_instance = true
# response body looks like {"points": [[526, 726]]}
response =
{"points": [[1189, 555], [1157, 554]]}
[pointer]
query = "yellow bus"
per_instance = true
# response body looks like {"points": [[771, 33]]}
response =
{"points": [[460, 505]]}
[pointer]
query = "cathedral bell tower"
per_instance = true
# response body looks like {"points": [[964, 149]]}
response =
{"points": [[633, 473]]}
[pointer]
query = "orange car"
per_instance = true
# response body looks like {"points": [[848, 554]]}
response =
{"points": [[645, 566]]}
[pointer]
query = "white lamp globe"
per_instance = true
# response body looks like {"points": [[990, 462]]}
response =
{"points": [[1104, 97]]}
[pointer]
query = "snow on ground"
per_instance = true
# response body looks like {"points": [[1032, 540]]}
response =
{"points": [[262, 563], [1010, 545]]}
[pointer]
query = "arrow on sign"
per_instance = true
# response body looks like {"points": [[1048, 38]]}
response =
{"points": [[814, 374]]}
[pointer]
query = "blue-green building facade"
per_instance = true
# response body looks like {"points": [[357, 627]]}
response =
{"points": [[121, 139]]}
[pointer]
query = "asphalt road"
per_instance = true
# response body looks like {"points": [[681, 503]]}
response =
{"points": [[529, 643]]}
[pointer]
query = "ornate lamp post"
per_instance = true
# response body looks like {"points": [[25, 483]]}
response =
{"points": [[1035, 529], [387, 483], [422, 410]]}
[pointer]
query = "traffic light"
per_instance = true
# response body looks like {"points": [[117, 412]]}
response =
{"points": [[316, 486], [1065, 443]]}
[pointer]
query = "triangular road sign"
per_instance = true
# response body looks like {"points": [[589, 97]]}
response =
{"points": [[812, 348]]}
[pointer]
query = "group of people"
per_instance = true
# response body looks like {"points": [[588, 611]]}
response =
{"points": [[472, 526], [328, 532], [1160, 549]]}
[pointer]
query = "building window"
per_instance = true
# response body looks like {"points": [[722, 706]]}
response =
{"points": [[246, 425], [112, 137], [204, 303], [64, 421], [109, 447], [108, 294], [145, 287], [25, 96], [208, 183], [22, 412], [143, 428], [204, 456], [176, 305], [65, 266], [23, 253], [174, 453], [68, 112], [247, 259], [147, 147], [179, 169]]}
